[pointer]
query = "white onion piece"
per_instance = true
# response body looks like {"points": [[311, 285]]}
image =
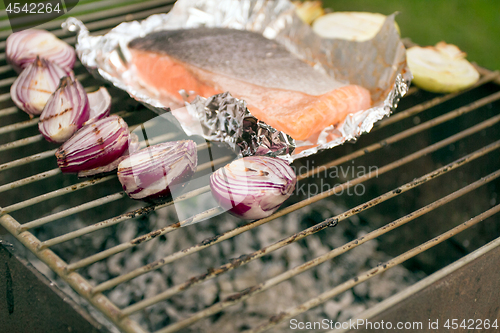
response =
{"points": [[152, 172], [34, 86], [308, 11], [253, 187], [441, 69], [133, 146], [100, 105], [65, 112], [95, 145], [23, 47], [353, 26]]}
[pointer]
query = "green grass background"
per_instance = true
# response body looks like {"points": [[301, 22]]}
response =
{"points": [[112, 4], [472, 25]]}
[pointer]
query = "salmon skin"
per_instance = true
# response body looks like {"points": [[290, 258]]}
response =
{"points": [[280, 89]]}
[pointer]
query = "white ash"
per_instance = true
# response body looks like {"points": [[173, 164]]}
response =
{"points": [[256, 309]]}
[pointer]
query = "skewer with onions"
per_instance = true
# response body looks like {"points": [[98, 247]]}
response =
{"points": [[94, 142]]}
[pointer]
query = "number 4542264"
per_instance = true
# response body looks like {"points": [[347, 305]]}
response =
{"points": [[32, 8], [477, 324]]}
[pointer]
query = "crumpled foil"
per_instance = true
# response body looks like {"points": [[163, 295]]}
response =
{"points": [[223, 118], [378, 64]]}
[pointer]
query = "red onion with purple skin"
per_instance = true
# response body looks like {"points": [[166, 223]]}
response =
{"points": [[95, 145], [133, 146], [100, 105], [152, 172], [33, 88], [65, 112], [253, 187], [22, 48]]}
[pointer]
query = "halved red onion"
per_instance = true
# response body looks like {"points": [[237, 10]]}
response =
{"points": [[133, 146], [22, 48], [32, 89], [94, 145], [154, 171], [253, 187], [65, 112], [100, 105]]}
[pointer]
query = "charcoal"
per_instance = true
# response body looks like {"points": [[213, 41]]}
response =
{"points": [[332, 309], [261, 306]]}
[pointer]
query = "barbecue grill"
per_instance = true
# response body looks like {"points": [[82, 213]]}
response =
{"points": [[435, 161]]}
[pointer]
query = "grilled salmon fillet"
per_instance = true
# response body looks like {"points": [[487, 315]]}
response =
{"points": [[280, 89]]}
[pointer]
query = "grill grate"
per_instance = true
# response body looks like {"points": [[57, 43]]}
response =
{"points": [[26, 157]]}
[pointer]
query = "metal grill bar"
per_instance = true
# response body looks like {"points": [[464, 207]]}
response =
{"points": [[91, 204], [435, 121], [247, 293], [411, 91], [480, 103], [29, 180], [393, 139], [216, 239], [420, 285], [120, 218], [56, 24], [7, 111], [8, 82], [34, 121], [113, 21], [50, 195], [411, 131], [6, 68], [375, 146], [71, 40], [26, 160], [14, 109], [68, 212], [53, 172], [374, 271], [75, 280], [45, 154], [73, 210], [121, 318], [401, 115], [20, 21], [404, 114], [5, 97], [166, 137], [17, 126], [309, 231], [21, 142], [136, 241], [483, 71], [336, 162], [433, 102]]}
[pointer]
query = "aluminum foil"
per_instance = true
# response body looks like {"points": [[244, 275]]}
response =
{"points": [[378, 64], [223, 118]]}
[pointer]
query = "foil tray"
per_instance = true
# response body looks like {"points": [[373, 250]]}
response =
{"points": [[378, 64]]}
